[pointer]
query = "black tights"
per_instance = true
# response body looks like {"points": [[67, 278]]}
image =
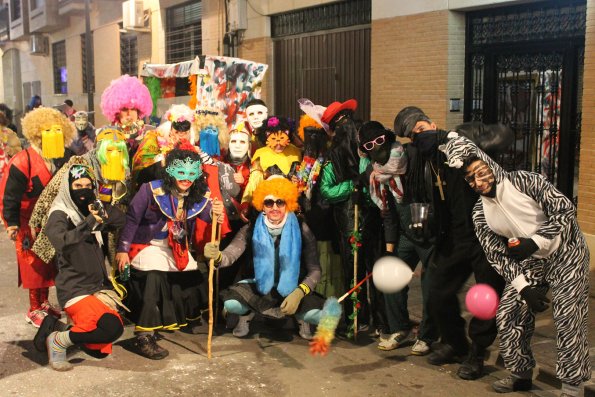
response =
{"points": [[109, 328]]}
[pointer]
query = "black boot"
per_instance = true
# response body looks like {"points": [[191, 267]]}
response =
{"points": [[472, 367], [50, 324]]}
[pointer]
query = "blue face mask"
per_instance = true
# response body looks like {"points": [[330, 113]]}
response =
{"points": [[184, 170], [209, 141]]}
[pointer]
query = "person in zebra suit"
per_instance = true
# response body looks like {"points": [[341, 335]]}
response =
{"points": [[551, 253]]}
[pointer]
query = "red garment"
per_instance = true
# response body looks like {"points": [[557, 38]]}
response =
{"points": [[85, 314], [19, 189], [202, 230], [244, 169]]}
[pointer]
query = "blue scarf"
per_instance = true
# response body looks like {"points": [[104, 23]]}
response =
{"points": [[290, 252]]}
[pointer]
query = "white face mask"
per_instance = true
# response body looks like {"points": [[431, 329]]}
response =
{"points": [[256, 115], [81, 122], [239, 143]]}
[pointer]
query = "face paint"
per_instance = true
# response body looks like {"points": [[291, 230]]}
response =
{"points": [[239, 143], [81, 121], [481, 178], [256, 115], [278, 140], [184, 170]]}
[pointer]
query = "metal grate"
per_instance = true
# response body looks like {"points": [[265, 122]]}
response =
{"points": [[328, 16], [547, 20], [128, 54], [183, 32], [84, 56], [59, 64]]}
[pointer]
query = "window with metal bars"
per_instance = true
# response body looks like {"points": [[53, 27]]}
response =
{"points": [[91, 80], [60, 72], [15, 9], [183, 32], [128, 54]]}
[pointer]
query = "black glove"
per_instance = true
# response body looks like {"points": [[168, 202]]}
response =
{"points": [[536, 300], [523, 250]]}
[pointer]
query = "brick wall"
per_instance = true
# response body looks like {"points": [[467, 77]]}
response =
{"points": [[410, 66], [261, 50], [586, 188]]}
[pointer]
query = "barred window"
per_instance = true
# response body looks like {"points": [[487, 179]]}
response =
{"points": [[91, 80], [183, 32], [15, 9], [60, 73], [128, 54]]}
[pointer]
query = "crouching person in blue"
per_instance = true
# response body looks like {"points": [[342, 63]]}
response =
{"points": [[285, 256], [84, 290]]}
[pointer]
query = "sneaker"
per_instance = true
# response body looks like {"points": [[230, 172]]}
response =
{"points": [[304, 330], [395, 340], [445, 354], [512, 384], [243, 327], [49, 309], [420, 348], [35, 317], [148, 347]]}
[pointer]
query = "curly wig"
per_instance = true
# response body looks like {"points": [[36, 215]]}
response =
{"points": [[126, 92], [198, 188], [279, 187], [305, 122], [43, 118], [179, 113], [208, 118]]}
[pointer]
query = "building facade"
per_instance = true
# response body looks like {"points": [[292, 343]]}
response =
{"points": [[528, 64]]}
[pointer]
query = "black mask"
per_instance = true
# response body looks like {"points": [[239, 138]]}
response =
{"points": [[426, 142], [82, 199]]}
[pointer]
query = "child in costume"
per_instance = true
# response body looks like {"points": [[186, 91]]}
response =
{"points": [[278, 157], [84, 291], [29, 171], [286, 267], [157, 241], [125, 102]]}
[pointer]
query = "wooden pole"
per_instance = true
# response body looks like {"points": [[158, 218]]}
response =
{"points": [[355, 252], [214, 232]]}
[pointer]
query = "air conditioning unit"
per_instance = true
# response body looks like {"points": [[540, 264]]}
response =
{"points": [[39, 45], [237, 15], [133, 15]]}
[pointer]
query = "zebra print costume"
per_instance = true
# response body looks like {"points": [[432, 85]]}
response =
{"points": [[564, 268]]}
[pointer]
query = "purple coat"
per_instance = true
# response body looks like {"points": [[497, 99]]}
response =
{"points": [[146, 218]]}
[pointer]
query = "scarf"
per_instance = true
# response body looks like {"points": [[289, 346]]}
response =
{"points": [[387, 178], [290, 251]]}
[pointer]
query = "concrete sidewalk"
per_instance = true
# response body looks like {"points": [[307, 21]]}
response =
{"points": [[543, 342]]}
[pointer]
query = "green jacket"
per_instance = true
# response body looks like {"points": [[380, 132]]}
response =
{"points": [[330, 189]]}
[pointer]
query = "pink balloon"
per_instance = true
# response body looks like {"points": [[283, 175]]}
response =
{"points": [[482, 301]]}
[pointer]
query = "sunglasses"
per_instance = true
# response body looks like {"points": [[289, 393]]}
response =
{"points": [[270, 202], [378, 141]]}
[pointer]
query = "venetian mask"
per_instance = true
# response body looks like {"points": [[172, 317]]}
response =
{"points": [[184, 170], [256, 114]]}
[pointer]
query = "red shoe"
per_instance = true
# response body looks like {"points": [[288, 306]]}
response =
{"points": [[49, 309], [35, 317]]}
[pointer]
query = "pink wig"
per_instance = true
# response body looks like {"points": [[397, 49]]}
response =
{"points": [[126, 92]]}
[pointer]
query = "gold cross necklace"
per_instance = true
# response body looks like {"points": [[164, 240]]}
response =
{"points": [[439, 182]]}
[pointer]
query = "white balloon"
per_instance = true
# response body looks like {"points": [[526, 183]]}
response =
{"points": [[391, 274]]}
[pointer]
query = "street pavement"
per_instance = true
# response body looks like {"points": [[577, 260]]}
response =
{"points": [[269, 363]]}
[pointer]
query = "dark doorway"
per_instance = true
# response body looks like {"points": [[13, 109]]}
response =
{"points": [[524, 68], [324, 65]]}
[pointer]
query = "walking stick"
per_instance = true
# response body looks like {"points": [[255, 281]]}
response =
{"points": [[214, 233], [355, 230], [217, 283]]}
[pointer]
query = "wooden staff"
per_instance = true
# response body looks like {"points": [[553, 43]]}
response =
{"points": [[214, 234], [355, 228]]}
